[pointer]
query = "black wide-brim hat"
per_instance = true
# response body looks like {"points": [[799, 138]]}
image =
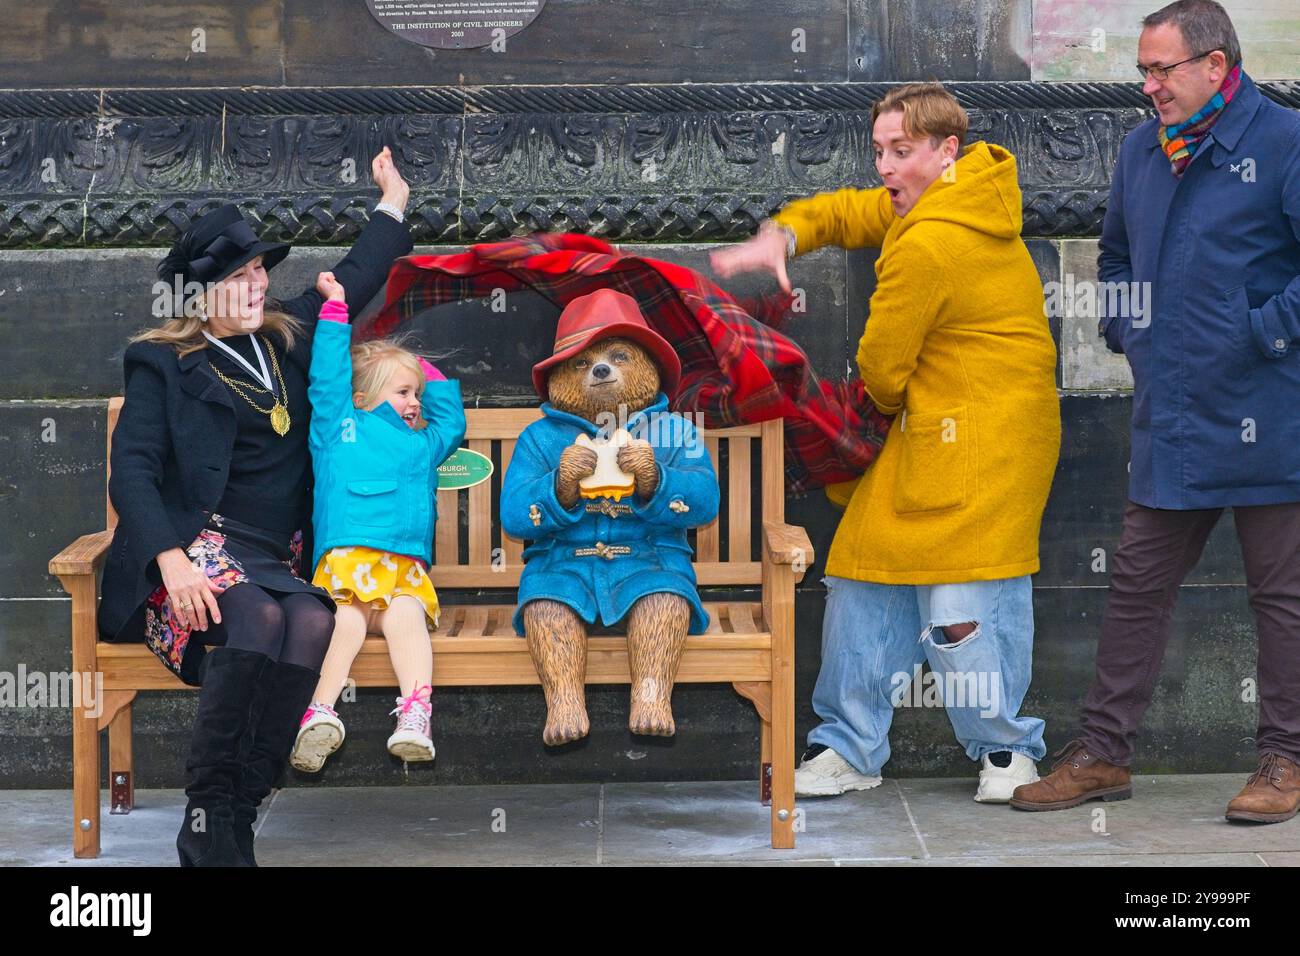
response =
{"points": [[216, 244]]}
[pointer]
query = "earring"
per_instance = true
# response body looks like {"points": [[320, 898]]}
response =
{"points": [[203, 310]]}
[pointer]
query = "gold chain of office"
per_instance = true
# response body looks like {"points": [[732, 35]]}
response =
{"points": [[279, 411]]}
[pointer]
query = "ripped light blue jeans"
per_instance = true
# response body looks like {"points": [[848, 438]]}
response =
{"points": [[875, 638]]}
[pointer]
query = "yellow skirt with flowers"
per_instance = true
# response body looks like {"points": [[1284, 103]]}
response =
{"points": [[367, 574]]}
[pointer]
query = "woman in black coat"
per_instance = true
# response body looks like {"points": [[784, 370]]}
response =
{"points": [[211, 480]]}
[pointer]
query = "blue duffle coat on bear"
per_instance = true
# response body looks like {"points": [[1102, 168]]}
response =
{"points": [[642, 544]]}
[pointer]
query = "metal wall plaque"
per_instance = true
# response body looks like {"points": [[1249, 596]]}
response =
{"points": [[455, 24]]}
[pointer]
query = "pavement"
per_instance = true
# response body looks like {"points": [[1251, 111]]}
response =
{"points": [[1172, 820]]}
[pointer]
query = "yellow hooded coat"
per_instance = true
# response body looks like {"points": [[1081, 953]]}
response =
{"points": [[957, 344]]}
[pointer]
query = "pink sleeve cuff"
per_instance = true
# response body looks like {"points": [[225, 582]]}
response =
{"points": [[431, 372], [333, 311]]}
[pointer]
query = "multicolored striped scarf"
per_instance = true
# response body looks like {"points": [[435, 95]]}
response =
{"points": [[1180, 140]]}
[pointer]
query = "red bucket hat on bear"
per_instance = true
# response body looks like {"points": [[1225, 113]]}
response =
{"points": [[604, 314]]}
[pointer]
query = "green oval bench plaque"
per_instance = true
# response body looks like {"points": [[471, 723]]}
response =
{"points": [[464, 469]]}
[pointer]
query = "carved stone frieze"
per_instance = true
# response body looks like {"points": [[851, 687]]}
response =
{"points": [[674, 173]]}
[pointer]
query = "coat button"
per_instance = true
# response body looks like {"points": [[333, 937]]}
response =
{"points": [[1279, 344]]}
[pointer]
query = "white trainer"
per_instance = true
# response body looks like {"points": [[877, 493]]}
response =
{"points": [[998, 783], [319, 735], [410, 741], [828, 775]]}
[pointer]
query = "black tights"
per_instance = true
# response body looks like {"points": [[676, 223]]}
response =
{"points": [[290, 628]]}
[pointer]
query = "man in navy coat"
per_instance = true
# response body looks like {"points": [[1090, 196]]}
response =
{"points": [[1202, 232]]}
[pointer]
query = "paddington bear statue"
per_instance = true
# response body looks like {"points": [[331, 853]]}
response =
{"points": [[604, 487]]}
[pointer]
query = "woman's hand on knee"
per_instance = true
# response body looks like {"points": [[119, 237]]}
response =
{"points": [[192, 595]]}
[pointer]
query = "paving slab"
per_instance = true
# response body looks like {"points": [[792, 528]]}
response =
{"points": [[725, 823], [1168, 814], [1173, 820]]}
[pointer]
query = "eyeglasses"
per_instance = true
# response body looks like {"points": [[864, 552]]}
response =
{"points": [[1162, 72]]}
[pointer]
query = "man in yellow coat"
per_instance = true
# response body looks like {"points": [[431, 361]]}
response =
{"points": [[932, 558]]}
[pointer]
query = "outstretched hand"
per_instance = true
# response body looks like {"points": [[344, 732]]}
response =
{"points": [[764, 252], [390, 182]]}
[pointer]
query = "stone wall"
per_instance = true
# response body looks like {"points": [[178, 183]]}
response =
{"points": [[667, 127]]}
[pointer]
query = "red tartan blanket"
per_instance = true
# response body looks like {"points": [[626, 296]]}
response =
{"points": [[737, 368]]}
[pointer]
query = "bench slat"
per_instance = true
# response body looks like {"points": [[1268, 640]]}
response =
{"points": [[475, 622], [480, 511], [706, 538], [773, 470], [447, 535], [741, 617], [114, 410], [739, 512], [472, 658], [513, 547], [493, 661]]}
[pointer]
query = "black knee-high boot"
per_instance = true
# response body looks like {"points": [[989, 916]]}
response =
{"points": [[230, 680], [285, 693]]}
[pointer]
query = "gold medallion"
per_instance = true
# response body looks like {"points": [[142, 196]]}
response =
{"points": [[280, 419]]}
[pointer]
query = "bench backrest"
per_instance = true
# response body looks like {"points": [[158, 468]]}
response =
{"points": [[471, 551]]}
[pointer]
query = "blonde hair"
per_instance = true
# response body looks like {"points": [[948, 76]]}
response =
{"points": [[185, 334], [375, 362], [928, 110]]}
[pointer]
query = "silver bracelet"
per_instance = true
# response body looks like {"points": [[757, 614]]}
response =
{"points": [[791, 241], [391, 210]]}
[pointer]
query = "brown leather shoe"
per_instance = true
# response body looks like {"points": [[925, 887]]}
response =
{"points": [[1076, 778], [1271, 795]]}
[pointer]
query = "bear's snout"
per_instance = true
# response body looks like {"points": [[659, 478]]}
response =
{"points": [[600, 371]]}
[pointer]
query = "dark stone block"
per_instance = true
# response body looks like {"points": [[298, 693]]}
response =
{"points": [[861, 266], [1198, 720], [920, 40], [579, 41], [35, 646], [79, 305], [1047, 259], [89, 43], [52, 488]]}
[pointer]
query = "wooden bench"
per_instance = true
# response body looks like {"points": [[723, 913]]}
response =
{"points": [[749, 644]]}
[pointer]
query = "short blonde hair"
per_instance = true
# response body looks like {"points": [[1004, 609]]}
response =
{"points": [[928, 110], [375, 362]]}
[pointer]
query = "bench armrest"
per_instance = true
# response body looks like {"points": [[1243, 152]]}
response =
{"points": [[84, 556], [787, 544]]}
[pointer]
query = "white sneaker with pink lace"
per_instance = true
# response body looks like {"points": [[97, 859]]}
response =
{"points": [[411, 740], [319, 734]]}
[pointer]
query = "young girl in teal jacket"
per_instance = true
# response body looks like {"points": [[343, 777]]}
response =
{"points": [[383, 420]]}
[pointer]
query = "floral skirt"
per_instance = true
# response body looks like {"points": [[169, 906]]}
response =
{"points": [[367, 574], [229, 552]]}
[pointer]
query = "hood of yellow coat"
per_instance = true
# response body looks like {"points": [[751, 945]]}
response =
{"points": [[983, 193]]}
